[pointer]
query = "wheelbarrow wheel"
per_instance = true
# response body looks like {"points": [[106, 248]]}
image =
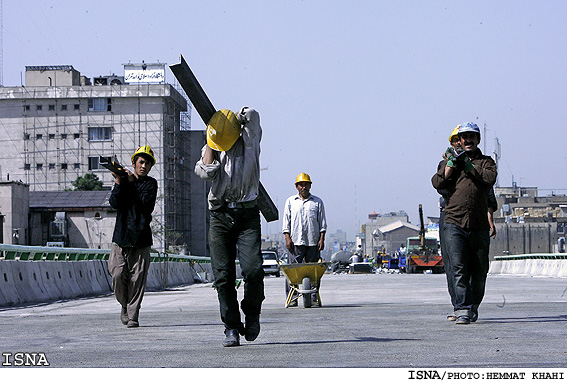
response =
{"points": [[306, 285]]}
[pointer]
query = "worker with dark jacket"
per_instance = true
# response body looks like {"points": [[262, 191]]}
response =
{"points": [[134, 197], [467, 178], [231, 162], [455, 148]]}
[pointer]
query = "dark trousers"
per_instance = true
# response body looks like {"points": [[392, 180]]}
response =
{"points": [[468, 250], [128, 267], [236, 233], [302, 254], [446, 261]]}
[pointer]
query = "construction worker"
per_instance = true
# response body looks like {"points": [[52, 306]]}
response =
{"points": [[455, 143], [467, 178], [304, 225], [230, 160], [134, 197]]}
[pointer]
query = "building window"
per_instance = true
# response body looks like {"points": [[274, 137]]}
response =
{"points": [[63, 136], [51, 166], [26, 107], [38, 107], [94, 162], [39, 136], [76, 136], [51, 107], [77, 107], [26, 136], [27, 166], [51, 136], [63, 107], [39, 166], [64, 166], [100, 104], [100, 133], [77, 165]]}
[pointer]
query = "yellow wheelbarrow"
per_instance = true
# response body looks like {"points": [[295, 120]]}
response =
{"points": [[304, 281]]}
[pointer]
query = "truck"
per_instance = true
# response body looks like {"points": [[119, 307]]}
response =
{"points": [[422, 253]]}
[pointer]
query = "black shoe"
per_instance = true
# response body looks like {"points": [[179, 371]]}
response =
{"points": [[463, 320], [232, 339], [132, 324], [252, 327], [474, 317], [124, 316]]}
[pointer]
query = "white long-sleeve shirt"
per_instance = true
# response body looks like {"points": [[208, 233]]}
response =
{"points": [[304, 220], [235, 175]]}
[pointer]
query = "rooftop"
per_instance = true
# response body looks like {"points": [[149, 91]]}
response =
{"points": [[69, 200]]}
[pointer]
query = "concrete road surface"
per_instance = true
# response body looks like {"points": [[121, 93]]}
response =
{"points": [[367, 320]]}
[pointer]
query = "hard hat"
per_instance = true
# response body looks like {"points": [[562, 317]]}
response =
{"points": [[223, 130], [303, 177], [469, 127], [147, 151], [454, 133]]}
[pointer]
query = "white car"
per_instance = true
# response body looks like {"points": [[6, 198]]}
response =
{"points": [[270, 263]]}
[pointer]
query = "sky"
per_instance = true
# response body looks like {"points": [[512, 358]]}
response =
{"points": [[361, 95]]}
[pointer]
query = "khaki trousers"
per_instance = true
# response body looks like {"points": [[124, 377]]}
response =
{"points": [[128, 267]]}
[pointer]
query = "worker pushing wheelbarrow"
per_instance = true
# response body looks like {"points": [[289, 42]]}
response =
{"points": [[304, 227], [304, 282]]}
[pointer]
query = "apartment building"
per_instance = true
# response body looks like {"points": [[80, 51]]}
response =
{"points": [[57, 126]]}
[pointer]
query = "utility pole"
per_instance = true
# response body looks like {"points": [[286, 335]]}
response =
{"points": [[496, 155]]}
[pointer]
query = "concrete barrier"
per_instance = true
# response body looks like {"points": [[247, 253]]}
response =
{"points": [[35, 281], [9, 289], [530, 266], [47, 273]]}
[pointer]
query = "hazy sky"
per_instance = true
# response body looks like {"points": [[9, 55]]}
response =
{"points": [[361, 95]]}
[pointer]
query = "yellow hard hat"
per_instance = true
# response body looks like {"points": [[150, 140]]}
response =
{"points": [[223, 130], [303, 177], [454, 133], [145, 150]]}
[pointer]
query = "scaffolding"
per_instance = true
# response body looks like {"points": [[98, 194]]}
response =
{"points": [[59, 133]]}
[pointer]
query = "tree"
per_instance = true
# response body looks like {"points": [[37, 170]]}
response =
{"points": [[88, 182]]}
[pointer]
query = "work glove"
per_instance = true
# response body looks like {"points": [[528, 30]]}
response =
{"points": [[451, 161], [468, 164]]}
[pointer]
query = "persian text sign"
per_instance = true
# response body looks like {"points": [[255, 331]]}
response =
{"points": [[150, 73]]}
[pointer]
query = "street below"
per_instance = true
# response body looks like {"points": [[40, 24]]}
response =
{"points": [[366, 321]]}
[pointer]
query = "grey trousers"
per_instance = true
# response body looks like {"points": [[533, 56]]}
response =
{"points": [[128, 267]]}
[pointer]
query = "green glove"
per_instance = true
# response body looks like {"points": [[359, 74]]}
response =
{"points": [[468, 164], [451, 160]]}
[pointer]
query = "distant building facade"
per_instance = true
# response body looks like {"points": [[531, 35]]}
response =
{"points": [[59, 124], [14, 210], [527, 223], [373, 239]]}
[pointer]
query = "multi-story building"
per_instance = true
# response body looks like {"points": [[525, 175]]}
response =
{"points": [[57, 126]]}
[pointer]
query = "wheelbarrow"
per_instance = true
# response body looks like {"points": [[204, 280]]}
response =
{"points": [[304, 281]]}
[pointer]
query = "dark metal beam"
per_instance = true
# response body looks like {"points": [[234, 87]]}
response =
{"points": [[205, 109]]}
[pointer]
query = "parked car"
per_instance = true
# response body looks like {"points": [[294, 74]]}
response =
{"points": [[270, 263]]}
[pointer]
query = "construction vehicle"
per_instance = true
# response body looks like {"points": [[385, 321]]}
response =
{"points": [[422, 253]]}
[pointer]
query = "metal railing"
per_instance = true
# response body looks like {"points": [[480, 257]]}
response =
{"points": [[531, 256], [43, 253]]}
